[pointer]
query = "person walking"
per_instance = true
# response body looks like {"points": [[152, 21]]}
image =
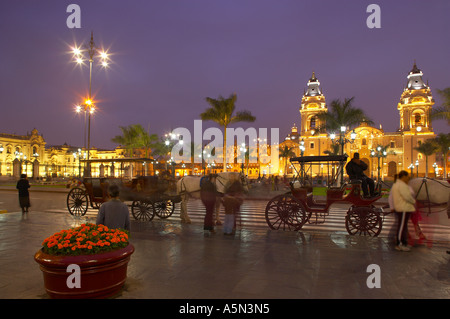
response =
{"points": [[208, 197], [24, 196], [415, 217], [114, 213], [404, 206], [232, 201]]}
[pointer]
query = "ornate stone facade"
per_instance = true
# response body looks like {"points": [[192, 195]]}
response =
{"points": [[415, 127]]}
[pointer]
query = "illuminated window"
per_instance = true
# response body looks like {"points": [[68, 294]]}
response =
{"points": [[312, 123], [417, 118], [364, 141]]}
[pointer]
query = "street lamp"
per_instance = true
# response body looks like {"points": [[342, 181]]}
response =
{"points": [[92, 51], [417, 168], [418, 129], [342, 141], [379, 152], [436, 169]]}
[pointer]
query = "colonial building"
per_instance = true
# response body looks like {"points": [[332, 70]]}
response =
{"points": [[415, 127], [30, 154]]}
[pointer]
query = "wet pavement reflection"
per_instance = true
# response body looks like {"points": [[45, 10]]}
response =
{"points": [[174, 260]]}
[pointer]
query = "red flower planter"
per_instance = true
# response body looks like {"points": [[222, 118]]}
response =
{"points": [[101, 276]]}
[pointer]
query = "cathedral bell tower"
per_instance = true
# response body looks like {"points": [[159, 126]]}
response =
{"points": [[313, 102], [415, 104], [414, 107]]}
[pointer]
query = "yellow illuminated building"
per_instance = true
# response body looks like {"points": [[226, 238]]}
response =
{"points": [[415, 127], [29, 154]]}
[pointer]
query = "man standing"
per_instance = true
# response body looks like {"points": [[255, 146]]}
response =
{"points": [[24, 196], [114, 213], [355, 170]]}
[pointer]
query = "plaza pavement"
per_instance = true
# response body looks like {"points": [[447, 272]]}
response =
{"points": [[179, 261]]}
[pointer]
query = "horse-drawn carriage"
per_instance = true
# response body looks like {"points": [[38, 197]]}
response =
{"points": [[291, 211], [148, 195]]}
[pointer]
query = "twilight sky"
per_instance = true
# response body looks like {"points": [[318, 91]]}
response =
{"points": [[168, 55]]}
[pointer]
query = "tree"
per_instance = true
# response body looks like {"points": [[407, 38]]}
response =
{"points": [[335, 150], [442, 112], [127, 139], [427, 148], [442, 141], [341, 114], [222, 112], [286, 152], [135, 137]]}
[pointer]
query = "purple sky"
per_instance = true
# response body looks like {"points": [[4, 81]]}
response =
{"points": [[169, 55]]}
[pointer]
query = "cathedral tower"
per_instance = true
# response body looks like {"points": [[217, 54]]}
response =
{"points": [[313, 102], [415, 104], [414, 107]]}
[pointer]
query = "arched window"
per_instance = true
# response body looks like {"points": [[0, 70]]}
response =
{"points": [[417, 118], [364, 141], [312, 123]]}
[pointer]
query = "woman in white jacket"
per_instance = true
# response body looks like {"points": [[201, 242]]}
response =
{"points": [[404, 206]]}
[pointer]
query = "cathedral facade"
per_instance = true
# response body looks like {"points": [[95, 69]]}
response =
{"points": [[386, 153]]}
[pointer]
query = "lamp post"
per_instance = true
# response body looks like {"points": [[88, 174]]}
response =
{"points": [[418, 129], [342, 141], [417, 168], [411, 167], [379, 152], [436, 169], [92, 52]]}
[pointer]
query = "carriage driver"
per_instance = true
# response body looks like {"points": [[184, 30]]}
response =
{"points": [[355, 170]]}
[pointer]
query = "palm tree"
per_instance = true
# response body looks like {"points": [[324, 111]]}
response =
{"points": [[342, 114], [335, 150], [127, 139], [222, 112], [427, 148], [442, 112], [144, 139], [134, 137], [442, 141], [286, 152]]}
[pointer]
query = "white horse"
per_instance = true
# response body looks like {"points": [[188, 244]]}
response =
{"points": [[431, 190], [189, 187]]}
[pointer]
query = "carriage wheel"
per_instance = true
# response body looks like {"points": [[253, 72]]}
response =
{"points": [[142, 211], [77, 202], [285, 212], [363, 221], [164, 209]]}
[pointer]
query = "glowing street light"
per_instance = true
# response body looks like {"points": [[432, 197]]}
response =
{"points": [[92, 51]]}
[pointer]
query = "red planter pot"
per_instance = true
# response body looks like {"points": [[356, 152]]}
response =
{"points": [[101, 276]]}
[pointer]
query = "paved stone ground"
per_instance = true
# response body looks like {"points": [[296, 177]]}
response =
{"points": [[178, 261]]}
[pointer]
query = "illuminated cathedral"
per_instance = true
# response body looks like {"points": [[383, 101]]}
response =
{"points": [[415, 127]]}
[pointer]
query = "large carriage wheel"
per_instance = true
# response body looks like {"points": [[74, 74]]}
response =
{"points": [[164, 208], [142, 211], [77, 202], [285, 212], [363, 221]]}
